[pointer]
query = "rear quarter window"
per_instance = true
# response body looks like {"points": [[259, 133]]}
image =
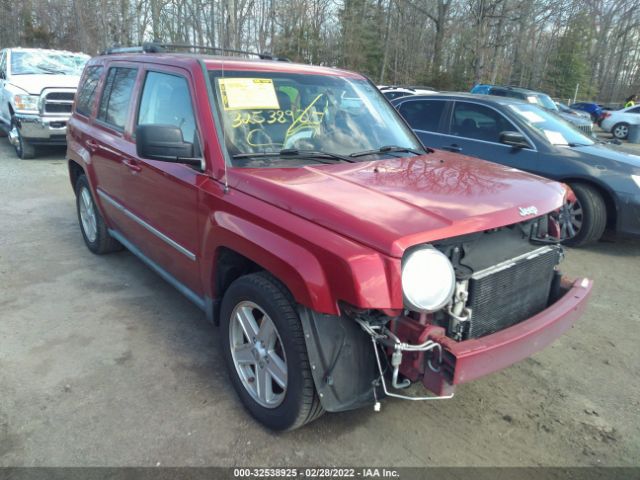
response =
{"points": [[87, 91]]}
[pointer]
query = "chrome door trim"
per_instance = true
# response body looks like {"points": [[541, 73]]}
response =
{"points": [[187, 253]]}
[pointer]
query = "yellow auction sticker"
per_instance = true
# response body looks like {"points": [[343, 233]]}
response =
{"points": [[248, 94]]}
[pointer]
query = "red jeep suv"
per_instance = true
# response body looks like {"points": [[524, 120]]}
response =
{"points": [[342, 260]]}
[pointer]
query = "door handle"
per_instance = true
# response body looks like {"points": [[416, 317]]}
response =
{"points": [[453, 148], [131, 165], [92, 145]]}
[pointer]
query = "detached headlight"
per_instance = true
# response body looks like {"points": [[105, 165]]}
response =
{"points": [[636, 178], [428, 280], [27, 103]]}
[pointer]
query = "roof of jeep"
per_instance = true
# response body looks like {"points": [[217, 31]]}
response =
{"points": [[215, 62]]}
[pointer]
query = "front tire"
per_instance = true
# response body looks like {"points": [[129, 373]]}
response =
{"points": [[584, 218], [620, 130], [24, 150], [265, 353], [94, 230]]}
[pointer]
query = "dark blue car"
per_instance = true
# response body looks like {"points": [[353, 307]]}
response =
{"points": [[605, 182], [592, 109]]}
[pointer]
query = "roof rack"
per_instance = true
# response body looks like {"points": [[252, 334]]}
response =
{"points": [[156, 47]]}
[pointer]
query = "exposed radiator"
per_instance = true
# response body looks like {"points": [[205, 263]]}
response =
{"points": [[512, 291]]}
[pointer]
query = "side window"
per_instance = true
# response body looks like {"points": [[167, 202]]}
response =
{"points": [[634, 110], [87, 91], [116, 96], [423, 114], [166, 100], [475, 121]]}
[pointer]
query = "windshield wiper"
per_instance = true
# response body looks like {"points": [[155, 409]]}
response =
{"points": [[295, 153], [388, 149]]}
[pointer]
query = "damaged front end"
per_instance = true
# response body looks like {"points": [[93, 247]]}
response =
{"points": [[507, 300]]}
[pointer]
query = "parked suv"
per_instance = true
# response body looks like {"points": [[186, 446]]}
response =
{"points": [[36, 92], [341, 260]]}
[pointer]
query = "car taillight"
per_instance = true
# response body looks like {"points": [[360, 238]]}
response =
{"points": [[605, 115]]}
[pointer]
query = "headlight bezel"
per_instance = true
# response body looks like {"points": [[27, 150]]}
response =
{"points": [[25, 102], [432, 264]]}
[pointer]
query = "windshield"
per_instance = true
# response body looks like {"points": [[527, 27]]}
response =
{"points": [[267, 112], [47, 62], [546, 102], [556, 130]]}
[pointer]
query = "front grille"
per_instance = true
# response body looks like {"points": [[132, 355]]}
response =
{"points": [[57, 102], [511, 292], [588, 129], [57, 108], [60, 96]]}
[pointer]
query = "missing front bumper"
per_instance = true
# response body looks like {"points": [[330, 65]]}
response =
{"points": [[471, 359]]}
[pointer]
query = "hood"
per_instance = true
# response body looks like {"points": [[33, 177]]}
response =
{"points": [[33, 84], [575, 119], [612, 158], [390, 205]]}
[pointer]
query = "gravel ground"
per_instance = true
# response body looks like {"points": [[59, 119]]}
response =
{"points": [[103, 363]]}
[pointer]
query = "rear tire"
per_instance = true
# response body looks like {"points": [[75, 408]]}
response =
{"points": [[94, 231], [593, 215], [254, 304], [620, 130]]}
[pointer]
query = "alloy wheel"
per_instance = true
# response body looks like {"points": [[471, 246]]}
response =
{"points": [[16, 139], [88, 215], [258, 354], [621, 131], [570, 219]]}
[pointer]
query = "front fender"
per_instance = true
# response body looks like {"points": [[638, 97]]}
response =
{"points": [[294, 266], [319, 267]]}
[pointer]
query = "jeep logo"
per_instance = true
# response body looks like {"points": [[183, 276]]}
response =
{"points": [[526, 211]]}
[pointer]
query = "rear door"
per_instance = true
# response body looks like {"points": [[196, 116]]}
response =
{"points": [[162, 197], [427, 118], [109, 142], [475, 130]]}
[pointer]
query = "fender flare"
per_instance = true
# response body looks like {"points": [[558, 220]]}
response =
{"points": [[296, 267]]}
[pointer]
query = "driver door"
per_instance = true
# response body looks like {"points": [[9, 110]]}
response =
{"points": [[163, 196], [475, 130]]}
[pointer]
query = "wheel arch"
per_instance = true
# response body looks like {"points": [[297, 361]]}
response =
{"points": [[606, 194], [75, 170], [234, 256]]}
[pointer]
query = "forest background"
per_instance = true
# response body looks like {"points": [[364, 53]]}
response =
{"points": [[550, 45]]}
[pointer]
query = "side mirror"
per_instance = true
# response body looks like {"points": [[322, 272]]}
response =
{"points": [[515, 139], [164, 143]]}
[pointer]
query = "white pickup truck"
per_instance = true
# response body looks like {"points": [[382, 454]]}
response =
{"points": [[37, 88]]}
